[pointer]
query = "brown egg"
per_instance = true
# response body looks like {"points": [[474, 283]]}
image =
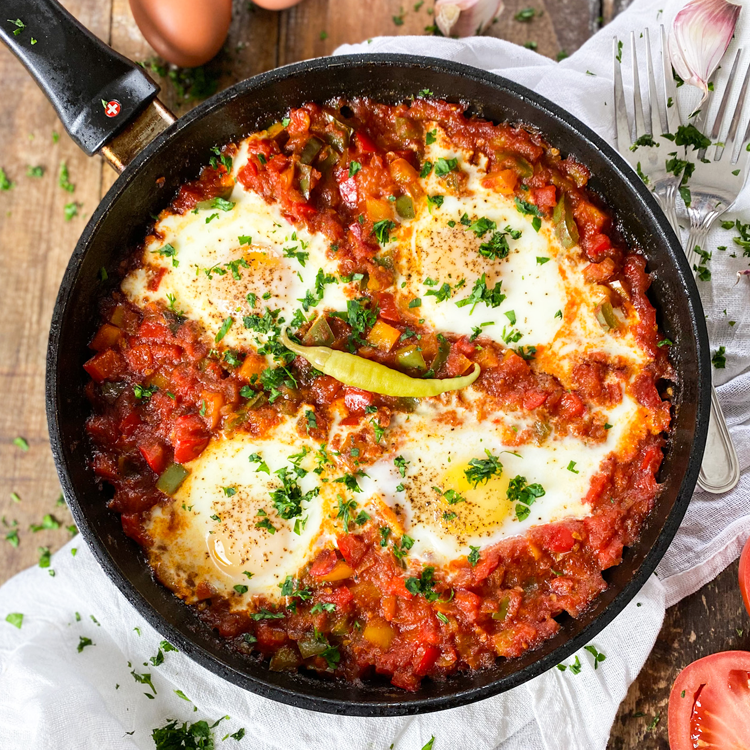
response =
{"points": [[276, 4], [187, 33]]}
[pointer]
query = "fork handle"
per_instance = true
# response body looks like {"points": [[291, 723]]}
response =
{"points": [[720, 469]]}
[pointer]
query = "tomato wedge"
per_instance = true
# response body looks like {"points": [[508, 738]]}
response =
{"points": [[709, 706], [745, 575]]}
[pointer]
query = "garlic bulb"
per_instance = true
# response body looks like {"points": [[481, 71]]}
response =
{"points": [[699, 37], [465, 17]]}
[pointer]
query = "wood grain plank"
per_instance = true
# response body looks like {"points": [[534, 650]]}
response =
{"points": [[35, 244], [713, 619]]}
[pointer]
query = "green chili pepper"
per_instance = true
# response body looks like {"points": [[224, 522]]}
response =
{"points": [[305, 174], [411, 357], [606, 316], [405, 207], [441, 357], [310, 150], [358, 372], [523, 166], [566, 228], [320, 333], [171, 479]]}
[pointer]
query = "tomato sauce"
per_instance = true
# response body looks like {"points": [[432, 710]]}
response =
{"points": [[159, 392]]}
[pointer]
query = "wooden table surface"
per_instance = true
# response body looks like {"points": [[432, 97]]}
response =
{"points": [[36, 241]]}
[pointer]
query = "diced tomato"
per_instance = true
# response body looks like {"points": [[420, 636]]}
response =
{"points": [[388, 309], [571, 406], [466, 347], [129, 423], [468, 602], [151, 330], [596, 246], [559, 538], [599, 272], [397, 587], [269, 638], [351, 547], [350, 421], [155, 454], [323, 563], [341, 596], [365, 143], [131, 525], [106, 365], [357, 400], [190, 437], [426, 658], [545, 197], [299, 122], [534, 399], [487, 564], [599, 483], [139, 358]]}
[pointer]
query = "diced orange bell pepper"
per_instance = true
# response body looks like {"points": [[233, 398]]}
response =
{"points": [[504, 181], [106, 337], [212, 411], [383, 337], [380, 634], [378, 210], [403, 172], [339, 572], [254, 364]]}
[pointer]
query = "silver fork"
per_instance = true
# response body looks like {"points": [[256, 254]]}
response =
{"points": [[714, 187], [651, 118], [720, 467]]}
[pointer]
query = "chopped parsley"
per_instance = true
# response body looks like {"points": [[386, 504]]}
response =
{"points": [[15, 619], [426, 169], [719, 359], [64, 179], [225, 326], [319, 607], [481, 470], [444, 166], [473, 556], [382, 230], [401, 463], [572, 467], [265, 614], [83, 642], [598, 655], [524, 495], [354, 167], [452, 497], [423, 585], [492, 297]]}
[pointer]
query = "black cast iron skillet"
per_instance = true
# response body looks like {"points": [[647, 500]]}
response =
{"points": [[81, 76]]}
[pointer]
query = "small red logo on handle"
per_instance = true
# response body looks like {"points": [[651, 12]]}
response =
{"points": [[112, 108]]}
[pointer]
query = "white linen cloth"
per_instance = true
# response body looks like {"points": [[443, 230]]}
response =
{"points": [[52, 696]]}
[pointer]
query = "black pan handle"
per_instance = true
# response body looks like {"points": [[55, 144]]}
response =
{"points": [[95, 90]]}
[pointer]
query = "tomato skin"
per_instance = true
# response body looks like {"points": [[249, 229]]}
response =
{"points": [[710, 703], [365, 143], [190, 438], [427, 660], [745, 575]]}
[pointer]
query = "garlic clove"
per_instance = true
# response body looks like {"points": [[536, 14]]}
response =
{"points": [[699, 37], [460, 18]]}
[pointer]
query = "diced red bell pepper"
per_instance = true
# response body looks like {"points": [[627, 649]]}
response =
{"points": [[426, 658], [365, 143], [190, 437], [596, 246], [155, 454], [388, 309], [129, 423], [466, 347], [357, 400]]}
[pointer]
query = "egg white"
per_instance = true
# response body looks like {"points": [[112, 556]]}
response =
{"points": [[195, 546], [198, 283]]}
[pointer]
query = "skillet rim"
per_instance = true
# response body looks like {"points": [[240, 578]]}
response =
{"points": [[620, 170]]}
